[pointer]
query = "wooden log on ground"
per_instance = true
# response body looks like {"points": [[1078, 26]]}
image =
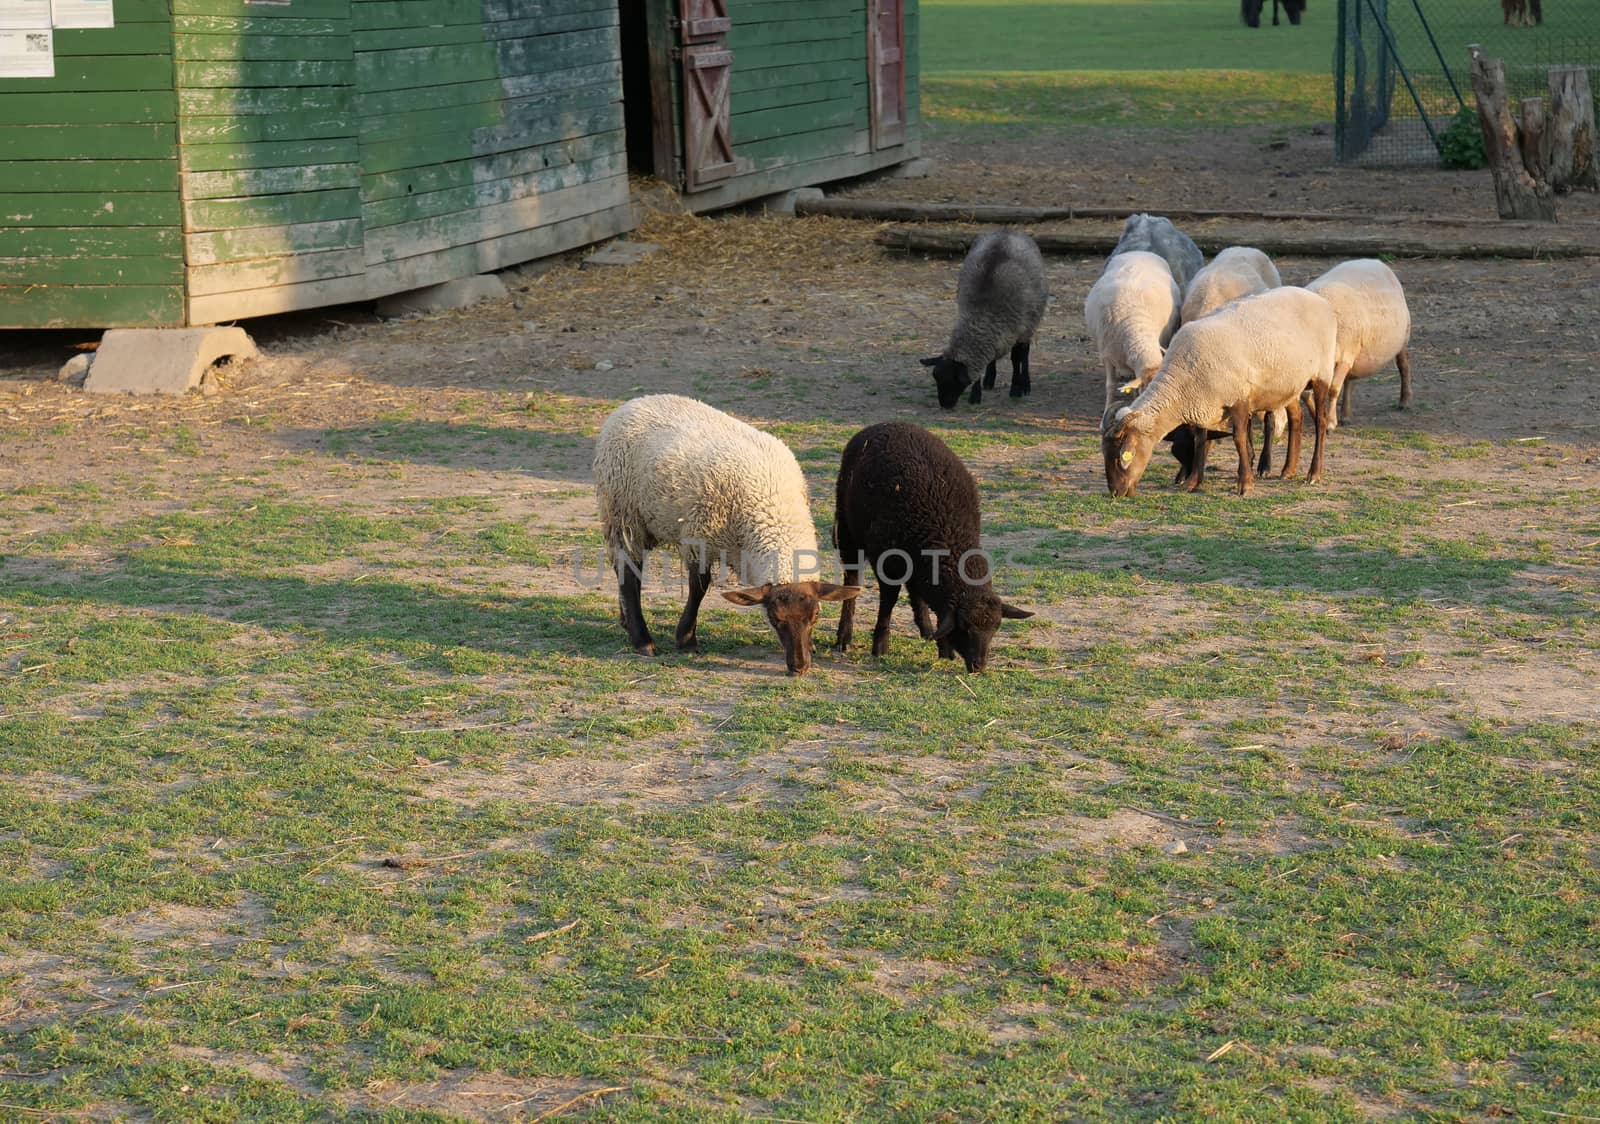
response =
{"points": [[1535, 140], [1517, 195], [1572, 131], [906, 210], [1074, 243]]}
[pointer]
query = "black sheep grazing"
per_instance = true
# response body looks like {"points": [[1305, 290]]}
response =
{"points": [[908, 507]]}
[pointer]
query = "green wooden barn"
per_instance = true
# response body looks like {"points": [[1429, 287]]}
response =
{"points": [[203, 161]]}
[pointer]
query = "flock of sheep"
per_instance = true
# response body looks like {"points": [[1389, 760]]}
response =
{"points": [[1192, 352]]}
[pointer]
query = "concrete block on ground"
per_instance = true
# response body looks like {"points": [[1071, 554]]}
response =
{"points": [[162, 360], [463, 292], [783, 202], [620, 253], [919, 168], [76, 369]]}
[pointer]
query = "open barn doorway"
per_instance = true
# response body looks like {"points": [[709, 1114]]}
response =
{"points": [[647, 89]]}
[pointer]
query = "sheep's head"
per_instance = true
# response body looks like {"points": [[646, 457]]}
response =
{"points": [[971, 625], [792, 611], [1127, 448], [950, 377]]}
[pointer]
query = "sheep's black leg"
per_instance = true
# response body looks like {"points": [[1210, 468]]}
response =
{"points": [[1403, 361], [1274, 13], [1020, 383], [1291, 456], [1322, 398], [847, 609], [1344, 403], [988, 375], [1202, 446], [699, 582], [1241, 442], [920, 614], [628, 583], [887, 596], [1269, 427]]}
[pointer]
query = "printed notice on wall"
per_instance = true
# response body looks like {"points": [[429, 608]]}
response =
{"points": [[24, 15], [81, 13], [27, 54]]}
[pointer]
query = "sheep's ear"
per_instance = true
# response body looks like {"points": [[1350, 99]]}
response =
{"points": [[831, 592], [1012, 613], [932, 360], [946, 628], [755, 595]]}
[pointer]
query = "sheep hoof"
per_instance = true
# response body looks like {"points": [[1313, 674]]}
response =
{"points": [[692, 644], [646, 649]]}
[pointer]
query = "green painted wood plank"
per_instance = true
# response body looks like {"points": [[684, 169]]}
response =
{"points": [[374, 104], [264, 127], [850, 34], [372, 15], [86, 306], [111, 72], [24, 176], [251, 183], [260, 48], [298, 9], [769, 124], [531, 113], [89, 242], [749, 78], [397, 38], [215, 246], [266, 273], [98, 270], [87, 142], [293, 209], [411, 182], [803, 54], [93, 108], [252, 25], [762, 11], [793, 148], [466, 62], [125, 39], [295, 100], [800, 93], [267, 72], [104, 208], [442, 232], [388, 156], [558, 177], [267, 154]]}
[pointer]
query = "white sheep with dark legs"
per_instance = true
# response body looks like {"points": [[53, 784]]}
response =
{"points": [[672, 471], [1001, 294], [1131, 312], [1374, 325], [1258, 353]]}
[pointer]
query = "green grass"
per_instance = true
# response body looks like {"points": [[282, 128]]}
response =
{"points": [[297, 829]]}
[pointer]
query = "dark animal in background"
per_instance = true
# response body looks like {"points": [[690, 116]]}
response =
{"points": [[908, 507], [1250, 11], [1522, 13]]}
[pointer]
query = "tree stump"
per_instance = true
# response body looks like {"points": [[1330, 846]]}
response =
{"points": [[1517, 194], [1571, 128]]}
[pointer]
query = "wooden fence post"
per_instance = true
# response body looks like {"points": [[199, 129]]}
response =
{"points": [[1517, 194], [1572, 156]]}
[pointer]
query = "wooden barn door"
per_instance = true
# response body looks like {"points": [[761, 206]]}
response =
{"points": [[707, 101], [886, 62]]}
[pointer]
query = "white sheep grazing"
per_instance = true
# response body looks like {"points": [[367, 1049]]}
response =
{"points": [[672, 471], [1236, 272], [1131, 313], [1257, 353], [1374, 324]]}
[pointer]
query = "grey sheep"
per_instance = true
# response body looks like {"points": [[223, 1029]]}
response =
{"points": [[1158, 236], [1000, 299]]}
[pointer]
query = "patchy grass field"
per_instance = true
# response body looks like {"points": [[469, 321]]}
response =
{"points": [[333, 789]]}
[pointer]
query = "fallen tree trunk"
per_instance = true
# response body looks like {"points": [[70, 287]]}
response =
{"points": [[1571, 131], [1517, 195], [933, 240], [902, 210]]}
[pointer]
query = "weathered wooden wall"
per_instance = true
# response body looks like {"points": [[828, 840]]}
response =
{"points": [[491, 133], [800, 99], [90, 224]]}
